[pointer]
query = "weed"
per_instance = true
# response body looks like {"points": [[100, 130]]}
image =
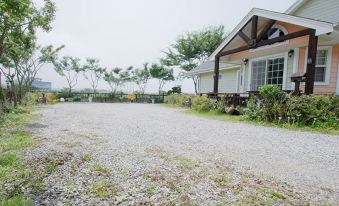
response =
{"points": [[277, 195], [185, 163], [86, 158], [101, 169], [103, 188], [150, 190], [222, 180]]}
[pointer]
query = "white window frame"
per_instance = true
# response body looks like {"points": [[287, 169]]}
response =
{"points": [[328, 66], [280, 55], [276, 44]]}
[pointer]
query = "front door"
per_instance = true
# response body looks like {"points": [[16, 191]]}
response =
{"points": [[337, 91]]}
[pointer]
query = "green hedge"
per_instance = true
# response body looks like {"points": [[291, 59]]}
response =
{"points": [[275, 105]]}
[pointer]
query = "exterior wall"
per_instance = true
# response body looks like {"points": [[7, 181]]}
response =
{"points": [[330, 88], [325, 10], [227, 84]]}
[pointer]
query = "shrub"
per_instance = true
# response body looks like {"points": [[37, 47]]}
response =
{"points": [[202, 104], [314, 110], [51, 98], [272, 102], [30, 99], [308, 110], [177, 99]]}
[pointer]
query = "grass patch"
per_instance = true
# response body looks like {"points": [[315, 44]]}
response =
{"points": [[13, 140], [150, 190], [103, 189], [18, 200], [86, 158], [277, 195], [241, 118], [101, 169], [185, 163], [222, 180]]}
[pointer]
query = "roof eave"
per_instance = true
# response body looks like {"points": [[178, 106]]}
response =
{"points": [[321, 27]]}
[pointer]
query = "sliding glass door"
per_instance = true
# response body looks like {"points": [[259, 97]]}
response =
{"points": [[267, 71]]}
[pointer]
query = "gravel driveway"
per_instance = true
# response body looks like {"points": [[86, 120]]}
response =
{"points": [[147, 154]]}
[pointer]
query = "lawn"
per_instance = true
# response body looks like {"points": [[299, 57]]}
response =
{"points": [[13, 171], [241, 118]]}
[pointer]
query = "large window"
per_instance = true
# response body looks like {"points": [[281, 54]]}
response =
{"points": [[321, 65], [267, 71]]}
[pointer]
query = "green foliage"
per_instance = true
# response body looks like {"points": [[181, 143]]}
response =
{"points": [[272, 102], [20, 19], [193, 48], [202, 104], [314, 110], [12, 142], [103, 188], [101, 169], [68, 67], [51, 98], [177, 99], [30, 99], [113, 78], [175, 90], [141, 77], [93, 72], [162, 73], [320, 111]]}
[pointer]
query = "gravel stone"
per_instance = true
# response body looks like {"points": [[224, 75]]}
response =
{"points": [[162, 155]]}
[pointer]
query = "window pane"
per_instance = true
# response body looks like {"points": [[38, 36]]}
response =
{"points": [[321, 57], [258, 74], [319, 74], [276, 66]]}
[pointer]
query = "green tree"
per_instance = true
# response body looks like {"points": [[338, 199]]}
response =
{"points": [[70, 68], [192, 49], [36, 60], [126, 77], [162, 73], [141, 77], [113, 79], [93, 72], [21, 18]]}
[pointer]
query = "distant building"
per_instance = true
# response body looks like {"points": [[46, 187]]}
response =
{"points": [[39, 85]]}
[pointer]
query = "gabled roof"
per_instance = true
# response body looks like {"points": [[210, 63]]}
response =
{"points": [[208, 66], [295, 6], [320, 26]]}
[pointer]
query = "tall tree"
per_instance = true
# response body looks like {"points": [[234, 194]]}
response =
{"points": [[93, 72], [162, 73], [70, 68], [36, 60], [141, 77], [126, 77], [192, 49], [21, 17], [113, 79]]}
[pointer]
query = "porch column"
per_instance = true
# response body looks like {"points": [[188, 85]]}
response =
{"points": [[311, 61], [216, 75]]}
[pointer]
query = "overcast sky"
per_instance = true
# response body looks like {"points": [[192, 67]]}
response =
{"points": [[131, 32]]}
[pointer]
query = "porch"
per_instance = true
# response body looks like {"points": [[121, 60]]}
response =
{"points": [[256, 35]]}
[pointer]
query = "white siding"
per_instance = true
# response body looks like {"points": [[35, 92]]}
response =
{"points": [[325, 10], [227, 83]]}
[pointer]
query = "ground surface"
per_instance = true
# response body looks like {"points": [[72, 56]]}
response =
{"points": [[147, 154]]}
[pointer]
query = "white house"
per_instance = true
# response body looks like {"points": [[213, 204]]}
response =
{"points": [[267, 47]]}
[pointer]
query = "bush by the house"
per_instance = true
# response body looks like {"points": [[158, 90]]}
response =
{"points": [[274, 105], [202, 104], [177, 99]]}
